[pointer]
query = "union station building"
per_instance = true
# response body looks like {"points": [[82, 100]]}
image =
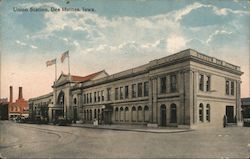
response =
{"points": [[186, 89]]}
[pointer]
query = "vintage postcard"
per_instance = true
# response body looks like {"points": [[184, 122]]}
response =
{"points": [[124, 79]]}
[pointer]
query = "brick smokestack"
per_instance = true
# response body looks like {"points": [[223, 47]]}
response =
{"points": [[20, 94], [11, 94]]}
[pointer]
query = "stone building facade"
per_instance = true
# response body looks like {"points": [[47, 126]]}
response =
{"points": [[186, 89]]}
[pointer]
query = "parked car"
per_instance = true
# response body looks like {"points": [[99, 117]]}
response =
{"points": [[61, 121]]}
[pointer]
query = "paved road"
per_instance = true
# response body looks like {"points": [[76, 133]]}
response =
{"points": [[47, 141]]}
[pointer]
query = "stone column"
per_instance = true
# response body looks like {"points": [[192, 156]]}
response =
{"points": [[155, 100], [153, 92], [187, 97], [238, 103], [195, 90], [181, 110], [168, 84]]}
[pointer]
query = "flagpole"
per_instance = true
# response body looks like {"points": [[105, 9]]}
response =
{"points": [[56, 71], [68, 65]]}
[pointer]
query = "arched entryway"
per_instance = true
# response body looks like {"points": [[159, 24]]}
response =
{"points": [[133, 114], [116, 113], [146, 114], [173, 113], [58, 110], [140, 114], [163, 115], [126, 114]]}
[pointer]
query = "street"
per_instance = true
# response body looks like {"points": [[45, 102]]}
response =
{"points": [[48, 141]]}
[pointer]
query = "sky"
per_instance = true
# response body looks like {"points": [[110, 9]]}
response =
{"points": [[115, 35]]}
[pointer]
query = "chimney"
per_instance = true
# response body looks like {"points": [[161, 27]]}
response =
{"points": [[11, 94], [20, 95]]}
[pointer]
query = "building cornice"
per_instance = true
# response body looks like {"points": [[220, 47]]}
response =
{"points": [[180, 57]]}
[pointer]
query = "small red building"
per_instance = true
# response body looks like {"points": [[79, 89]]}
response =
{"points": [[19, 107]]}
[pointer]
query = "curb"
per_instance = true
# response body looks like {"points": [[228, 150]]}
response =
{"points": [[132, 130]]}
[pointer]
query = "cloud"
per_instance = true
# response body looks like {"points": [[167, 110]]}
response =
{"points": [[179, 14], [182, 12], [25, 44], [226, 11], [39, 5], [176, 43], [96, 39], [93, 33], [20, 43], [216, 33], [33, 46]]}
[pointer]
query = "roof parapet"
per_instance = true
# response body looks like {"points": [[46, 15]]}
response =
{"points": [[193, 53]]}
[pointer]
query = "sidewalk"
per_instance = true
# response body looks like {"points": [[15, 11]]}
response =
{"points": [[135, 128]]}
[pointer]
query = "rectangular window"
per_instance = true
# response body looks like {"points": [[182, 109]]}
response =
{"points": [[90, 97], [139, 89], [121, 92], [87, 98], [146, 88], [108, 94], [201, 82], [84, 98], [99, 98], [116, 93], [232, 88], [173, 83], [163, 84], [94, 96], [126, 92], [133, 91], [102, 93], [208, 112], [201, 113], [208, 83], [227, 87]]}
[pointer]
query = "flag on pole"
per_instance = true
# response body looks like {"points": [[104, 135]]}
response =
{"points": [[64, 55], [51, 62]]}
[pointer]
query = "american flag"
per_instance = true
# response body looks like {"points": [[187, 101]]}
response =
{"points": [[51, 62], [64, 55]]}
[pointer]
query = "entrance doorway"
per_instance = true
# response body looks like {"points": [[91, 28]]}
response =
{"points": [[163, 115], [230, 114], [107, 117], [56, 113], [75, 115]]}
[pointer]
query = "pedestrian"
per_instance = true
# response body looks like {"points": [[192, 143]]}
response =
{"points": [[224, 121]]}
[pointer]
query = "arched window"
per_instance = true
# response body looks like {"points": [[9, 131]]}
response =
{"points": [[84, 115], [140, 114], [208, 112], [133, 116], [60, 99], [90, 115], [116, 113], [201, 112], [99, 114], [126, 114], [121, 114], [146, 114], [75, 101], [163, 115], [133, 109], [173, 113], [95, 114]]}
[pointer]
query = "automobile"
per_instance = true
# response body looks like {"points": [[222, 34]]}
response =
{"points": [[61, 121]]}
